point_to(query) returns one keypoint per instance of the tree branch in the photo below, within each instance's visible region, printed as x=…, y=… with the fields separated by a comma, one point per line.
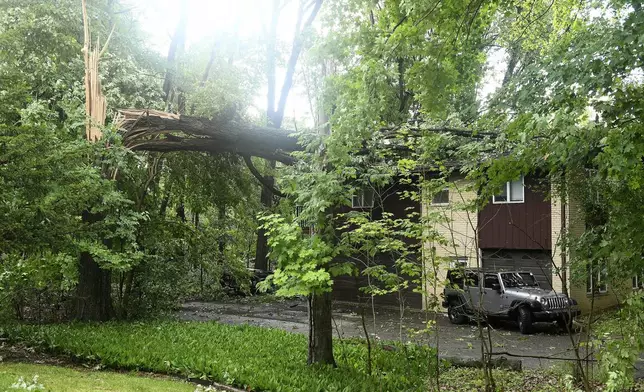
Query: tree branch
x=260, y=178
x=298, y=43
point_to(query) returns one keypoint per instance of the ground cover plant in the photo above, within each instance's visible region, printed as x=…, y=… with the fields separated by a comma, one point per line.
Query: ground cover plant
x=555, y=379
x=248, y=357
x=19, y=376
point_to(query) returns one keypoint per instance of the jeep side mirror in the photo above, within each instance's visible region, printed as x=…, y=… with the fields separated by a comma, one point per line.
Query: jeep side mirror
x=496, y=287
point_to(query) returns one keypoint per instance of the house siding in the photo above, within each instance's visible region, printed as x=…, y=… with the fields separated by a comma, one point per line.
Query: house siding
x=523, y=226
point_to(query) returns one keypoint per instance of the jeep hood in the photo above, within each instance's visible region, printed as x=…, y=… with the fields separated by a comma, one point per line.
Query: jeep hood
x=531, y=292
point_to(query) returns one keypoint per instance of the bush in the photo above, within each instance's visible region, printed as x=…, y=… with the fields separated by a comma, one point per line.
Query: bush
x=244, y=356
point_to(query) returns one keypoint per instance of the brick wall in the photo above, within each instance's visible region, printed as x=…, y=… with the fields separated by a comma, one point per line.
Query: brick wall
x=456, y=227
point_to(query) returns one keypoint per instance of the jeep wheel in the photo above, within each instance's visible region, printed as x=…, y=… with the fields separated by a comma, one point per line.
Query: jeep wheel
x=524, y=318
x=456, y=313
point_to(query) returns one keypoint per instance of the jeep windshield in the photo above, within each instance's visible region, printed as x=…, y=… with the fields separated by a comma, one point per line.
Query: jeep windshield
x=516, y=279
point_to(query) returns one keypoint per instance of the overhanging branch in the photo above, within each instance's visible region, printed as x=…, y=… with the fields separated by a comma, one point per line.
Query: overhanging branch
x=261, y=178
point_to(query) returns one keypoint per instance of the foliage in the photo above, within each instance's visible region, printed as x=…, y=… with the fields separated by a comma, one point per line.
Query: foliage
x=620, y=343
x=302, y=261
x=542, y=380
x=159, y=223
x=234, y=355
x=575, y=117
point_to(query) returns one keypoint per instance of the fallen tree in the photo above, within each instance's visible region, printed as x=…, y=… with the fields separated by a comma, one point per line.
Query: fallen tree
x=153, y=130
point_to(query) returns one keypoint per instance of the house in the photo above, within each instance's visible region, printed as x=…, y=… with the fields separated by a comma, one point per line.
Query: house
x=518, y=229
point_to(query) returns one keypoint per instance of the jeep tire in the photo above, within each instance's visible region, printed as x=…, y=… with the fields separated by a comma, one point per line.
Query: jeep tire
x=456, y=312
x=524, y=319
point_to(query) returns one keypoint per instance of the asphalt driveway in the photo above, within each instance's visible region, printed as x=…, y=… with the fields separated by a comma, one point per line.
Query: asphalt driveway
x=453, y=340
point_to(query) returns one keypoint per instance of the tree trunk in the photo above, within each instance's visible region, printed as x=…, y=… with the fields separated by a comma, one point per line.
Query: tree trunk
x=94, y=292
x=320, y=330
x=176, y=47
x=127, y=295
x=222, y=238
x=261, y=248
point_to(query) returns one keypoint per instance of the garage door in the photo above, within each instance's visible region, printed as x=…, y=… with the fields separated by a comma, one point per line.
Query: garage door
x=536, y=261
x=347, y=289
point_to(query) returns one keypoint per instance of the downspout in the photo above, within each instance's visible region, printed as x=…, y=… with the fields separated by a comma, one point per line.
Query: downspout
x=564, y=249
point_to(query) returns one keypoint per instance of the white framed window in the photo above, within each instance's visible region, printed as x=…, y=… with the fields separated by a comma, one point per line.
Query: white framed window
x=363, y=199
x=441, y=198
x=458, y=262
x=638, y=282
x=596, y=278
x=513, y=192
x=303, y=223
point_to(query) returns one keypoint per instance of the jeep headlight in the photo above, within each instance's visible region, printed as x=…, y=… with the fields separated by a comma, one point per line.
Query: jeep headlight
x=543, y=302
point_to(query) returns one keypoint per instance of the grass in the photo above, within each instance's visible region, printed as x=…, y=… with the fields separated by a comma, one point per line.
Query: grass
x=248, y=357
x=61, y=379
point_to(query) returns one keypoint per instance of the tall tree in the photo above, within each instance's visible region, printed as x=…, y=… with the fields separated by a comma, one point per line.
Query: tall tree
x=176, y=49
x=307, y=12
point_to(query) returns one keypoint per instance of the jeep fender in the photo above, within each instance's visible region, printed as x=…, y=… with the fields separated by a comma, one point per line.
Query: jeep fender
x=532, y=304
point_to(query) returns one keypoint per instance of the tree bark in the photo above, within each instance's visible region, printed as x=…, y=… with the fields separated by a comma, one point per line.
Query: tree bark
x=320, y=330
x=93, y=294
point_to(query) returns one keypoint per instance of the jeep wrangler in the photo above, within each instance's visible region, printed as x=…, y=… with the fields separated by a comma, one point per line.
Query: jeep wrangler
x=513, y=295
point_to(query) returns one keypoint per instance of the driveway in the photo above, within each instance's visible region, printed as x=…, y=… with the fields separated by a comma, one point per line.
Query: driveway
x=454, y=340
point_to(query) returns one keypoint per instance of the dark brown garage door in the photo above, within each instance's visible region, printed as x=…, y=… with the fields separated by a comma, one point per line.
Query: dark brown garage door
x=536, y=261
x=346, y=289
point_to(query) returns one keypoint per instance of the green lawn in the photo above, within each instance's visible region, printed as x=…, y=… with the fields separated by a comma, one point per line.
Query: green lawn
x=60, y=379
x=248, y=357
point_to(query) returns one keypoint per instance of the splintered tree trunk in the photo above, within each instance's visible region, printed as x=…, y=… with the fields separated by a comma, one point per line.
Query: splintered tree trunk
x=93, y=300
x=93, y=293
x=320, y=330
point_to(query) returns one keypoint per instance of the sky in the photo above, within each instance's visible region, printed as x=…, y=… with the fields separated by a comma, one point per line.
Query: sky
x=210, y=18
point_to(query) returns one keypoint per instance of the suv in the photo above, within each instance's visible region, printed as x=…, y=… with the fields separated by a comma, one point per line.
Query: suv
x=513, y=295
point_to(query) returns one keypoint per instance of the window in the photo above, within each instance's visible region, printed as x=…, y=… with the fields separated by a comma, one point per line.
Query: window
x=456, y=278
x=638, y=282
x=471, y=279
x=303, y=223
x=441, y=198
x=363, y=199
x=462, y=277
x=491, y=280
x=529, y=279
x=513, y=192
x=458, y=262
x=596, y=279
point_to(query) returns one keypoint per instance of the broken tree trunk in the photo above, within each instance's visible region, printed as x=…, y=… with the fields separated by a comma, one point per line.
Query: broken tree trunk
x=93, y=301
